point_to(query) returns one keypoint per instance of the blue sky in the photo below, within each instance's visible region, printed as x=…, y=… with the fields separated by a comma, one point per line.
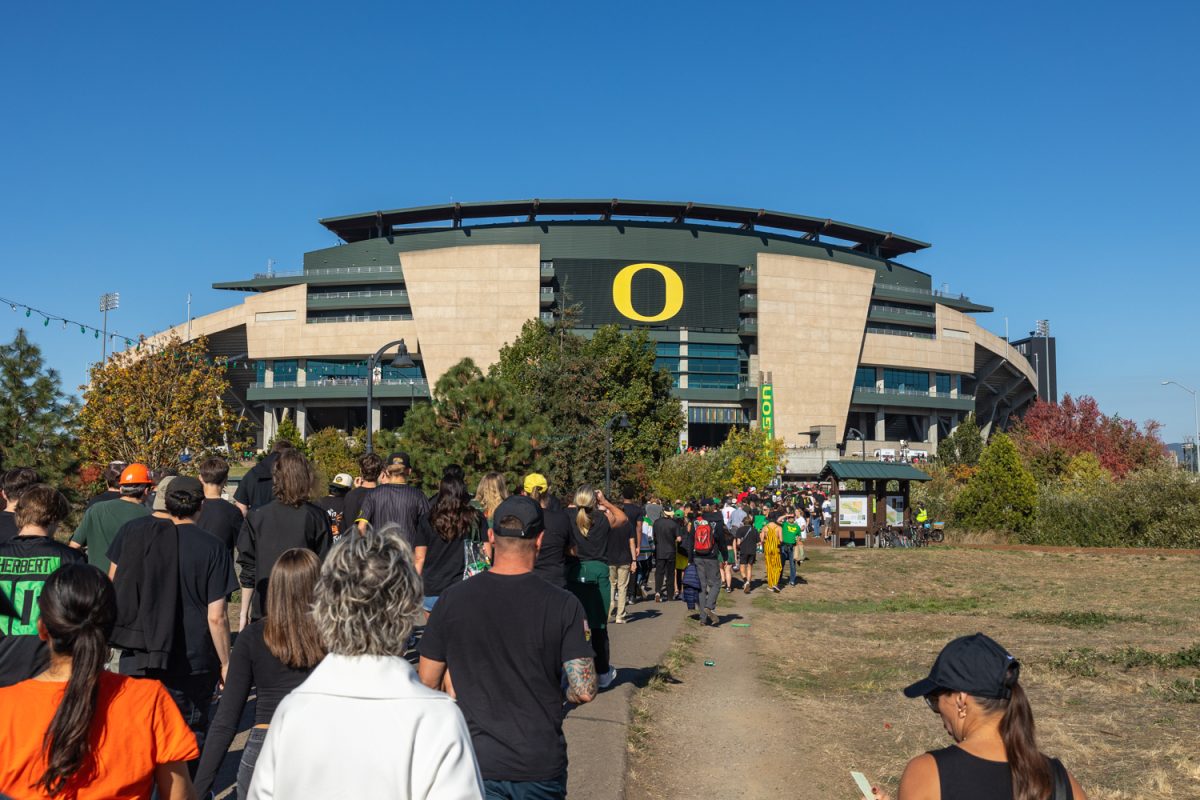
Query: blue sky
x=1048, y=151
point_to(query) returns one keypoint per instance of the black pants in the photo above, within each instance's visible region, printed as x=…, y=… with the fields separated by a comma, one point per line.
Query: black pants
x=664, y=576
x=600, y=648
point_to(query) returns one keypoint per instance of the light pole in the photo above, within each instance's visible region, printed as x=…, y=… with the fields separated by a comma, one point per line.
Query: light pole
x=620, y=421
x=401, y=361
x=861, y=438
x=109, y=301
x=1196, y=411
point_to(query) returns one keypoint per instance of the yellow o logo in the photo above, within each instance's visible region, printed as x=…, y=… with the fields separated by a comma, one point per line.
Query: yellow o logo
x=623, y=292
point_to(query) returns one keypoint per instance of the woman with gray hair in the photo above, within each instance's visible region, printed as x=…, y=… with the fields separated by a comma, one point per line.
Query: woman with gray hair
x=391, y=736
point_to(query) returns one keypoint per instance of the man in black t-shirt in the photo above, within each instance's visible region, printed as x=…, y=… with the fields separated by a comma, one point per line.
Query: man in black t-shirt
x=334, y=503
x=551, y=561
x=369, y=467
x=26, y=561
x=508, y=638
x=394, y=501
x=218, y=516
x=13, y=484
x=666, y=537
x=622, y=552
x=256, y=488
x=199, y=650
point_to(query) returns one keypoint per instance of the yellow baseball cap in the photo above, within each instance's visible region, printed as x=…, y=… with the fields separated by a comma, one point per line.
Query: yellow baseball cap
x=535, y=480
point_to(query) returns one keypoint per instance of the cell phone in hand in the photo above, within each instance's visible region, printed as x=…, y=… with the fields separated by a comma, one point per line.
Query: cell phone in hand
x=864, y=785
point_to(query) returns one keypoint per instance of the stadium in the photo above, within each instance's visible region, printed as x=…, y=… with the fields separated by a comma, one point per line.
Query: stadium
x=807, y=325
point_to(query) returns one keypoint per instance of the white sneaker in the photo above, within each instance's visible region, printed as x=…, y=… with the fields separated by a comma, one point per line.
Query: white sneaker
x=606, y=680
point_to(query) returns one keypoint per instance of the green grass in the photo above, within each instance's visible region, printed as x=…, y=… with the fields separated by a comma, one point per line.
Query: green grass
x=1085, y=661
x=1080, y=620
x=891, y=605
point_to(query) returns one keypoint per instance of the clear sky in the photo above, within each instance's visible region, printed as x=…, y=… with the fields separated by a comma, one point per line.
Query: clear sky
x=1049, y=151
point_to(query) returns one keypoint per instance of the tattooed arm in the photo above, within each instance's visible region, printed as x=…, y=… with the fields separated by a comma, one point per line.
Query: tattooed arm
x=581, y=680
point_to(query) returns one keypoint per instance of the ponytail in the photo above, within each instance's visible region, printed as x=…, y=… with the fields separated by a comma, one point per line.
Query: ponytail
x=78, y=608
x=584, y=520
x=1031, y=775
x=585, y=500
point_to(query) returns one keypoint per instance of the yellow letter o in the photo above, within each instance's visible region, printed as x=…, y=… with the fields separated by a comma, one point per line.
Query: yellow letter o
x=623, y=292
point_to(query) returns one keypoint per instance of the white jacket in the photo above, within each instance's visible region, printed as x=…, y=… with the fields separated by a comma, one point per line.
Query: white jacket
x=365, y=727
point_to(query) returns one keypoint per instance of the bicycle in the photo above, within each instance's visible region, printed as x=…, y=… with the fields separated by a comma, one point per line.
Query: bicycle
x=927, y=534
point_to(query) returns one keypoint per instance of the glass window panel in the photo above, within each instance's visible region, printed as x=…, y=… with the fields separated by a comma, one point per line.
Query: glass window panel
x=864, y=378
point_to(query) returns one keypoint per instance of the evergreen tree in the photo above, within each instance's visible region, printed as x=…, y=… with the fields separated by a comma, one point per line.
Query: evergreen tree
x=483, y=424
x=964, y=446
x=1002, y=494
x=37, y=421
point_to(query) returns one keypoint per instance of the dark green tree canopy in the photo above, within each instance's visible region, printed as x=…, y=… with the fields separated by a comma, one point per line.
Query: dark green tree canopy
x=482, y=423
x=1002, y=494
x=37, y=421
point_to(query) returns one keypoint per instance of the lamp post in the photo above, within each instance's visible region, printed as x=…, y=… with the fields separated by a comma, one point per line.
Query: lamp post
x=856, y=432
x=401, y=361
x=620, y=421
x=1196, y=411
x=109, y=301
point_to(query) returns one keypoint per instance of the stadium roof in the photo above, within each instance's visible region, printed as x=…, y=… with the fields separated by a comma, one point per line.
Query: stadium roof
x=872, y=471
x=376, y=224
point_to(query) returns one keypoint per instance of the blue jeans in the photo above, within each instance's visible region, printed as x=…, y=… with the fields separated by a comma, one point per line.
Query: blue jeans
x=429, y=603
x=554, y=789
x=249, y=759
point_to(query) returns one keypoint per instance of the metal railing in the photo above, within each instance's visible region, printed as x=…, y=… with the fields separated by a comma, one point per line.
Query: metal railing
x=905, y=391
x=341, y=381
x=403, y=293
x=910, y=334
x=911, y=312
x=919, y=290
x=331, y=271
x=362, y=318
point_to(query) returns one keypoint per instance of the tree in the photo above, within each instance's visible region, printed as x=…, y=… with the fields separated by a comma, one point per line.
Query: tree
x=963, y=446
x=151, y=406
x=689, y=475
x=331, y=451
x=577, y=385
x=482, y=423
x=1002, y=494
x=288, y=431
x=1052, y=434
x=1084, y=475
x=37, y=421
x=750, y=458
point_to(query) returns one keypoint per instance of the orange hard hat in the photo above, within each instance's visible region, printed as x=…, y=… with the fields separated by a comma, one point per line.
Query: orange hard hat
x=136, y=473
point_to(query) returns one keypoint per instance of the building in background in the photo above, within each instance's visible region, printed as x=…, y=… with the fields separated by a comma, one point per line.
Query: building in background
x=1039, y=351
x=859, y=348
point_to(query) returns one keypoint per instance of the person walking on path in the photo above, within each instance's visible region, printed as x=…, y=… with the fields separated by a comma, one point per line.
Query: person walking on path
x=443, y=536
x=255, y=490
x=218, y=516
x=551, y=561
x=703, y=547
x=26, y=562
x=101, y=522
x=77, y=730
x=362, y=725
x=394, y=501
x=274, y=656
x=592, y=518
x=747, y=539
x=772, y=538
x=666, y=538
x=290, y=520
x=13, y=484
x=510, y=641
x=622, y=553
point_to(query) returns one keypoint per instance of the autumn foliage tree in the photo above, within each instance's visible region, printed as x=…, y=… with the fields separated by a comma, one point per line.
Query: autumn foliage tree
x=1051, y=435
x=151, y=405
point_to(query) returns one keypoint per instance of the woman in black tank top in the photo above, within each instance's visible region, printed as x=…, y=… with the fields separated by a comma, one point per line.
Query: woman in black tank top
x=974, y=689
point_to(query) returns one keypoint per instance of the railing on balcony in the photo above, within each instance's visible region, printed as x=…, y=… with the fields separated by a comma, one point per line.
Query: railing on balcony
x=907, y=392
x=926, y=292
x=340, y=380
x=400, y=293
x=362, y=318
x=547, y=269
x=331, y=271
x=908, y=312
x=891, y=332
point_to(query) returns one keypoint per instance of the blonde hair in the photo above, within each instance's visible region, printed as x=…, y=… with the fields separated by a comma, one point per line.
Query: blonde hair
x=585, y=501
x=491, y=492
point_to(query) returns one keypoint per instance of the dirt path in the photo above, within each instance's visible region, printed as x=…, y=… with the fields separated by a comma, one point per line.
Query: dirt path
x=716, y=733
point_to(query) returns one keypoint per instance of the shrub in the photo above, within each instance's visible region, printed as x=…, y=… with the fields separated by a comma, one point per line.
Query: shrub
x=1002, y=494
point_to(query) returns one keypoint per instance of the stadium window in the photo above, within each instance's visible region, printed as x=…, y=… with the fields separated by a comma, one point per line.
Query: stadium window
x=666, y=348
x=864, y=378
x=944, y=382
x=906, y=379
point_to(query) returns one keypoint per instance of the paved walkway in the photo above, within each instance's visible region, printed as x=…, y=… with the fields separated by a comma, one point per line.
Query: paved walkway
x=597, y=732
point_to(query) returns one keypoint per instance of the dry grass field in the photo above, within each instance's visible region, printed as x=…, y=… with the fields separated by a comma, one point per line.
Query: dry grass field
x=1110, y=647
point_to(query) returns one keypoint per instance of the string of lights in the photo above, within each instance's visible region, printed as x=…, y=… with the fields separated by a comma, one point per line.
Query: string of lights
x=84, y=328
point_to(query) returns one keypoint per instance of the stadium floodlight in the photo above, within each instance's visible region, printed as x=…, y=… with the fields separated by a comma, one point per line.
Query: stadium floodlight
x=109, y=301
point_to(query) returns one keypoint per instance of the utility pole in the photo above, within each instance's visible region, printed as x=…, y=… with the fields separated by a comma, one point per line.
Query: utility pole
x=109, y=301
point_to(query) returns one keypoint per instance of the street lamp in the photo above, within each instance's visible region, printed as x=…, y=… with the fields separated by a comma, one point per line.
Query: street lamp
x=859, y=435
x=401, y=361
x=1196, y=411
x=621, y=421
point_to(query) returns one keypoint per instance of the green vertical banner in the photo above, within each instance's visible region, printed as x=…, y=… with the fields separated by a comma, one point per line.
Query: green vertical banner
x=766, y=409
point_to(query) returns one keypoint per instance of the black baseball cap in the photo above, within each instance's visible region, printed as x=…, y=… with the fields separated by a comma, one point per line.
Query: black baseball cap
x=975, y=664
x=398, y=459
x=524, y=509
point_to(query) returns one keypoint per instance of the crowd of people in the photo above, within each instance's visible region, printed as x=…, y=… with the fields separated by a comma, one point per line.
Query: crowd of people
x=445, y=637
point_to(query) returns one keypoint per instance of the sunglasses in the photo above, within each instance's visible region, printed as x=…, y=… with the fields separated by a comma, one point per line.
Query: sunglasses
x=932, y=699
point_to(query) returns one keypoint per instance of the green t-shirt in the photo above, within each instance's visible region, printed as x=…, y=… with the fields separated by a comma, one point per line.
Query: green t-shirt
x=791, y=532
x=100, y=525
x=760, y=520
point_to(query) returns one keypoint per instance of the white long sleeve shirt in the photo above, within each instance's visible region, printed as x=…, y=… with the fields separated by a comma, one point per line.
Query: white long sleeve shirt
x=365, y=726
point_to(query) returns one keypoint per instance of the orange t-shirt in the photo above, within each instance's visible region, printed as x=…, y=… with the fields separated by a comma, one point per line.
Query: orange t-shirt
x=136, y=727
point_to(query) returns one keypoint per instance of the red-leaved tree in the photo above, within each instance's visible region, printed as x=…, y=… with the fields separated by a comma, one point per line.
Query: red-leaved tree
x=1050, y=435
